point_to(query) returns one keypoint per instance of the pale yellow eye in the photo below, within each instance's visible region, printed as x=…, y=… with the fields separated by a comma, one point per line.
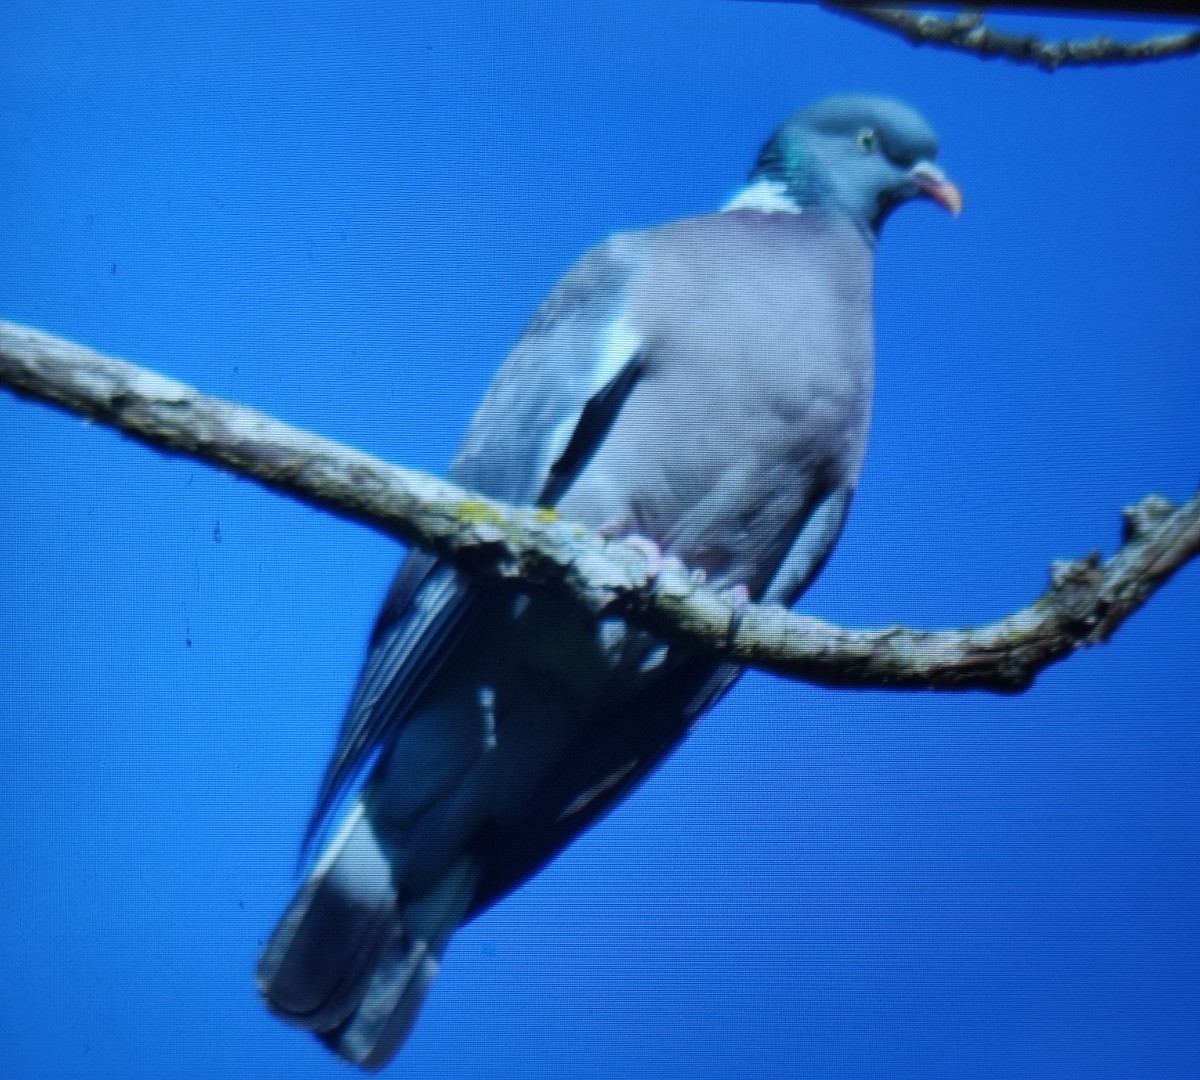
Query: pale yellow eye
x=867, y=140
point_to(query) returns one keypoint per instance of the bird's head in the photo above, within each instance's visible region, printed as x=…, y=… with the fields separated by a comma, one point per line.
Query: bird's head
x=863, y=156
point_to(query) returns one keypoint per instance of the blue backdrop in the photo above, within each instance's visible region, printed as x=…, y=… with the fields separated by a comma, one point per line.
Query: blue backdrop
x=344, y=214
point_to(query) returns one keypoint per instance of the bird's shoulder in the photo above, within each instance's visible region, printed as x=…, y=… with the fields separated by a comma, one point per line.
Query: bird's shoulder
x=570, y=348
x=593, y=288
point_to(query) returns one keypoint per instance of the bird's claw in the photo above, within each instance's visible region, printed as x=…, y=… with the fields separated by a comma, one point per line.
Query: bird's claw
x=658, y=561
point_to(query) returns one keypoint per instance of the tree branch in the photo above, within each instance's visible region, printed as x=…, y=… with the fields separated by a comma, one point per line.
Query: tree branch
x=967, y=32
x=1085, y=603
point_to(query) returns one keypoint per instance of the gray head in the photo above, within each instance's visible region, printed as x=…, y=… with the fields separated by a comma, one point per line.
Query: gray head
x=862, y=156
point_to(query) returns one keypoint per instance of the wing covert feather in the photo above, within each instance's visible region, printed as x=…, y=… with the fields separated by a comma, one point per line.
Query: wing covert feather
x=524, y=444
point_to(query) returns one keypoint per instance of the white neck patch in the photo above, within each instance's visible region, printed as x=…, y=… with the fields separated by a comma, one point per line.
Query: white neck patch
x=765, y=196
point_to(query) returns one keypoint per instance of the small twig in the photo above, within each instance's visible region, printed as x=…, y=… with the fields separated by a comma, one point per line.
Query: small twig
x=1085, y=603
x=967, y=32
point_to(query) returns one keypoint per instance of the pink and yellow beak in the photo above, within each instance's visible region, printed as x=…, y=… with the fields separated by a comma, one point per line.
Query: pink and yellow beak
x=935, y=184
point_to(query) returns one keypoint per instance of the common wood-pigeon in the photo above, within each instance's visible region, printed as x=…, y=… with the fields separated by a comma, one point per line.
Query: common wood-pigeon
x=704, y=386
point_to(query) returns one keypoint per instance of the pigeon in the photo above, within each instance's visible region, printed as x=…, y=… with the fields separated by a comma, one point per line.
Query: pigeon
x=702, y=388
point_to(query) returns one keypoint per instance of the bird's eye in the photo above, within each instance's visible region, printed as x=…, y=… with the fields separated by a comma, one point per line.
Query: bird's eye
x=867, y=140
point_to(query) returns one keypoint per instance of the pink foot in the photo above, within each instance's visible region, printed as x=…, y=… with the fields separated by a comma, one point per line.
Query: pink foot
x=737, y=595
x=657, y=561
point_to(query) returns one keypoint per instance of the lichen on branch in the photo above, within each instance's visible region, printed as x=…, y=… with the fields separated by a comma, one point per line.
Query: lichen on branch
x=1085, y=603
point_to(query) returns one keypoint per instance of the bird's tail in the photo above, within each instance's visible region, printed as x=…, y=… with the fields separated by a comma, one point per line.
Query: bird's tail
x=351, y=960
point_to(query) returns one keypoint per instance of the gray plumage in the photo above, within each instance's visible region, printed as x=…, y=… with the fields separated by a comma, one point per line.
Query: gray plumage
x=705, y=385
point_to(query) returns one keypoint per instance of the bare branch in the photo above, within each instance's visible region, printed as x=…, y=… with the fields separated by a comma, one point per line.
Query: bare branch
x=1085, y=603
x=967, y=32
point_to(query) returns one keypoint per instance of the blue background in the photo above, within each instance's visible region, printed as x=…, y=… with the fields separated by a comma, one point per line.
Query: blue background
x=344, y=215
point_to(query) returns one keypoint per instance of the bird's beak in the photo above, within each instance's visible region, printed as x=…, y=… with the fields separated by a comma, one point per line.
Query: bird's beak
x=934, y=183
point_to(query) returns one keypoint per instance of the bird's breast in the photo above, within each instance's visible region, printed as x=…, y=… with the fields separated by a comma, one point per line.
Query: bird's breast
x=756, y=395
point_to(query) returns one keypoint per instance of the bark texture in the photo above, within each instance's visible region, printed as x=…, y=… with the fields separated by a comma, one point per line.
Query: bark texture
x=1085, y=603
x=967, y=32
